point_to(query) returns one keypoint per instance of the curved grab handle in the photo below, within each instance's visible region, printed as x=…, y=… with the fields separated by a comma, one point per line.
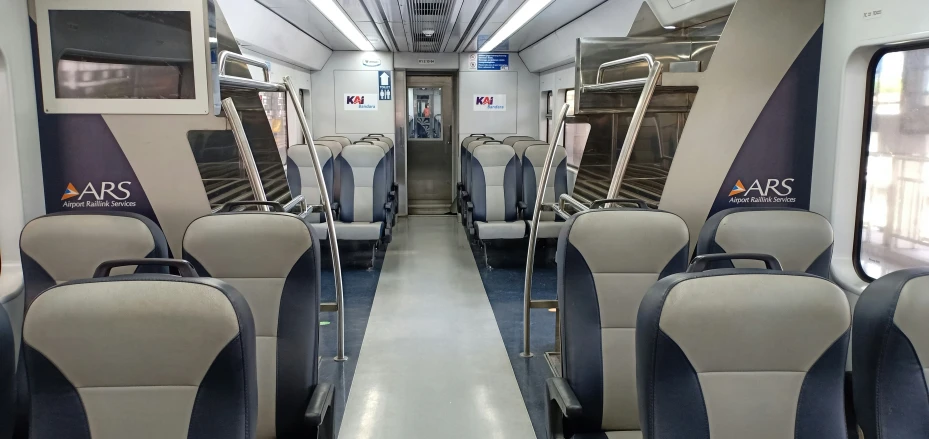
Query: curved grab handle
x=275, y=206
x=377, y=135
x=600, y=203
x=701, y=263
x=363, y=142
x=183, y=267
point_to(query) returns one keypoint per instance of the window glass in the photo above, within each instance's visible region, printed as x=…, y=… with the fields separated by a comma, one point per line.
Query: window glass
x=569, y=99
x=275, y=105
x=425, y=113
x=102, y=54
x=894, y=212
x=549, y=104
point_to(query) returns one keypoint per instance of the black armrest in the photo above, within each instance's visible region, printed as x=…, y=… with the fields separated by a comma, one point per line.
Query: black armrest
x=388, y=206
x=336, y=207
x=521, y=205
x=465, y=195
x=318, y=408
x=470, y=206
x=560, y=391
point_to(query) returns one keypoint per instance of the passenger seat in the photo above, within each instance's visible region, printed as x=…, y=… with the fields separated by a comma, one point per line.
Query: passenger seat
x=364, y=210
x=273, y=260
x=607, y=260
x=336, y=149
x=493, y=209
x=141, y=356
x=301, y=177
x=92, y=237
x=801, y=240
x=742, y=353
x=890, y=356
x=391, y=179
x=533, y=164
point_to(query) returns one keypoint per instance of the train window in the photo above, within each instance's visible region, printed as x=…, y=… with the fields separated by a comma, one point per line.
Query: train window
x=275, y=105
x=569, y=99
x=893, y=212
x=99, y=58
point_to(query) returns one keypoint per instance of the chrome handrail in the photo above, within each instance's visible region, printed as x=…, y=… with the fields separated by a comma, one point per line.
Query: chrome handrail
x=330, y=221
x=566, y=199
x=625, y=84
x=245, y=152
x=293, y=203
x=534, y=228
x=625, y=154
x=246, y=83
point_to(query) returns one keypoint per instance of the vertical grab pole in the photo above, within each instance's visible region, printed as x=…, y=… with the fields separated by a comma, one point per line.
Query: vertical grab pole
x=245, y=151
x=534, y=229
x=330, y=221
x=625, y=154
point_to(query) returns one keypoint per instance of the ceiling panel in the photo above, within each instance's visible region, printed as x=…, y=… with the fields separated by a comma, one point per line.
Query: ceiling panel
x=465, y=18
x=556, y=15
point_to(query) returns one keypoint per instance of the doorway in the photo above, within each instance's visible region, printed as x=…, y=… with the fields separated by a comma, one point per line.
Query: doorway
x=431, y=159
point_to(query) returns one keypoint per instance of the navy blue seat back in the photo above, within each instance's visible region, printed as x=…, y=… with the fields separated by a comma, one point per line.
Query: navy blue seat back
x=801, y=240
x=890, y=356
x=92, y=237
x=144, y=356
x=607, y=260
x=273, y=260
x=7, y=376
x=742, y=353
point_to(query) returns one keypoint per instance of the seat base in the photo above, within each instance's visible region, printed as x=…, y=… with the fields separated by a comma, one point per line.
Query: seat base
x=610, y=435
x=550, y=229
x=359, y=231
x=500, y=230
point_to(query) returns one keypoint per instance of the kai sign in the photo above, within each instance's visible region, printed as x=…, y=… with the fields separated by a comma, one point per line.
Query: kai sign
x=489, y=102
x=360, y=102
x=772, y=190
x=104, y=194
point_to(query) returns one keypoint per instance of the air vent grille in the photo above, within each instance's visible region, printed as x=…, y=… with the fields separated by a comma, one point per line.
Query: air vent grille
x=430, y=23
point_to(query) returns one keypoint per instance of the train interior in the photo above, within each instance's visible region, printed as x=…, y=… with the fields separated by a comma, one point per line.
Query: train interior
x=558, y=219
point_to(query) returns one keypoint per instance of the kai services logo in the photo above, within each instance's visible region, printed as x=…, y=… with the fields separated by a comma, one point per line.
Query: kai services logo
x=361, y=102
x=70, y=192
x=489, y=102
x=772, y=191
x=106, y=194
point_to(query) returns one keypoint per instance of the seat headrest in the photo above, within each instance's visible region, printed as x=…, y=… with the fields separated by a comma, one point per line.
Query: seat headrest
x=344, y=141
x=361, y=155
x=801, y=240
x=66, y=246
x=536, y=154
x=208, y=243
x=111, y=352
x=494, y=154
x=513, y=139
x=301, y=156
x=334, y=147
x=520, y=146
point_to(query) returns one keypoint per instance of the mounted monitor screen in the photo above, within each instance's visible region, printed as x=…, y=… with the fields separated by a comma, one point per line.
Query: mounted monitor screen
x=107, y=60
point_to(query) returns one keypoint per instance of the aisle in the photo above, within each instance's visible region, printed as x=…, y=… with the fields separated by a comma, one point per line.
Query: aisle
x=433, y=364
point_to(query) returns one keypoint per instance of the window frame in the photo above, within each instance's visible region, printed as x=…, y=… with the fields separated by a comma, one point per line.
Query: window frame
x=865, y=148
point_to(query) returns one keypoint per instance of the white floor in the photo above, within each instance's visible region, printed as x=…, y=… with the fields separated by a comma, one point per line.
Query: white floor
x=433, y=364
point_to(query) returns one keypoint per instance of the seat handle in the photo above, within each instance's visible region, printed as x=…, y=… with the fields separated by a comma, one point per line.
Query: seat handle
x=701, y=263
x=183, y=267
x=600, y=203
x=233, y=204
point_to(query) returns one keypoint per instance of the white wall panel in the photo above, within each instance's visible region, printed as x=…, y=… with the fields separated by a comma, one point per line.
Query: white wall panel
x=522, y=100
x=329, y=115
x=849, y=43
x=21, y=189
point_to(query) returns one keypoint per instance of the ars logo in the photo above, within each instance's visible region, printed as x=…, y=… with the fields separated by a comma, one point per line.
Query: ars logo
x=772, y=187
x=355, y=100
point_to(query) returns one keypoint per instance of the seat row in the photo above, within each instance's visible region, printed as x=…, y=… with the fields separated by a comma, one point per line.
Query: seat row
x=749, y=340
x=361, y=184
x=113, y=345
x=499, y=184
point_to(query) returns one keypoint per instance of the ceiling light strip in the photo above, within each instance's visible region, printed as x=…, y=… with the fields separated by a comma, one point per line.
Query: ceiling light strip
x=337, y=16
x=527, y=11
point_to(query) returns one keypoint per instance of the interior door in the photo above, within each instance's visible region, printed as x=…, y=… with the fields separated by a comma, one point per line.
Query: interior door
x=430, y=115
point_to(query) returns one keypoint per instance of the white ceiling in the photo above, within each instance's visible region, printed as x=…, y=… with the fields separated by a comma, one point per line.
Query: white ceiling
x=397, y=25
